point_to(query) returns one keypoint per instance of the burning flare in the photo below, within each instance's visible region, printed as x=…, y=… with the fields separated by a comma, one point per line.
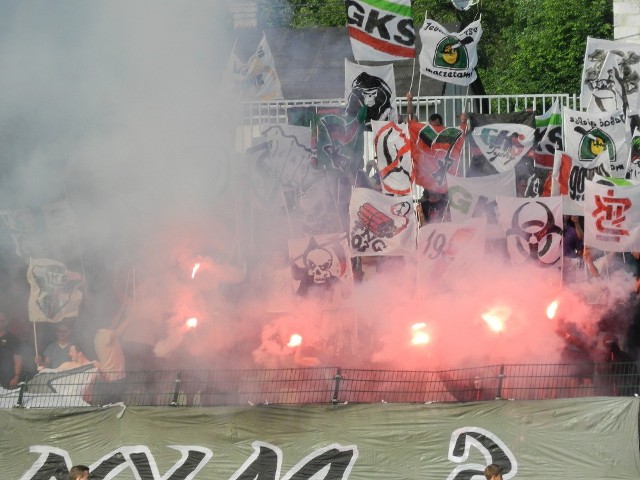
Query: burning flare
x=195, y=269
x=419, y=337
x=552, y=309
x=192, y=322
x=496, y=318
x=295, y=340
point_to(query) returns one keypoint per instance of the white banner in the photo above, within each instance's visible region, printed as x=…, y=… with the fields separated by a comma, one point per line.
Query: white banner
x=449, y=57
x=503, y=144
x=381, y=224
x=393, y=151
x=612, y=216
x=381, y=30
x=448, y=250
x=588, y=135
x=596, y=68
x=533, y=228
x=373, y=87
x=475, y=197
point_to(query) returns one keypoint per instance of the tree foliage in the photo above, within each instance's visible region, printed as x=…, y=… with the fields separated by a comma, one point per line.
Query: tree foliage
x=528, y=46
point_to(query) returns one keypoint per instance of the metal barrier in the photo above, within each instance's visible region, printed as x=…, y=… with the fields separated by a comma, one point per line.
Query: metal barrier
x=450, y=106
x=326, y=385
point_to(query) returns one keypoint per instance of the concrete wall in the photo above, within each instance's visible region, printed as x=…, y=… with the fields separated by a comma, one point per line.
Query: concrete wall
x=626, y=20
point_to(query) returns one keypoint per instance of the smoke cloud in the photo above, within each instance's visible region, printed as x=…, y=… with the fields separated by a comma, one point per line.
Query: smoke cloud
x=118, y=107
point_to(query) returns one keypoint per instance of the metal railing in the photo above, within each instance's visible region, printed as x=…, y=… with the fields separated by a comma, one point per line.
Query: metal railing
x=325, y=385
x=256, y=114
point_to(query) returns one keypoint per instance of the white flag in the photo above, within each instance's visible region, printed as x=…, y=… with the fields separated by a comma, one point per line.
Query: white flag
x=373, y=87
x=381, y=224
x=612, y=216
x=381, y=30
x=393, y=150
x=321, y=266
x=633, y=165
x=257, y=79
x=475, y=197
x=626, y=55
x=607, y=90
x=588, y=135
x=447, y=250
x=55, y=291
x=503, y=145
x=533, y=228
x=449, y=57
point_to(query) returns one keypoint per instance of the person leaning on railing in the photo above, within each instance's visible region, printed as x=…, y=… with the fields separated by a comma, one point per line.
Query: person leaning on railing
x=10, y=359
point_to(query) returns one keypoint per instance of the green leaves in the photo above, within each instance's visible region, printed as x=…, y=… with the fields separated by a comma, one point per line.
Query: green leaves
x=528, y=46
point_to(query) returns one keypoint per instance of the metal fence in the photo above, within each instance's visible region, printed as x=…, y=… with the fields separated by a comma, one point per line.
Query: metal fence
x=325, y=385
x=254, y=115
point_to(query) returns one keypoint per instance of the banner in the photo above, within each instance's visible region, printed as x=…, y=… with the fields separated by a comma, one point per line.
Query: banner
x=257, y=79
x=333, y=442
x=588, y=135
x=321, y=266
x=435, y=153
x=570, y=176
x=633, y=166
x=449, y=57
x=55, y=291
x=607, y=90
x=548, y=135
x=449, y=251
x=373, y=87
x=611, y=216
x=533, y=228
x=596, y=78
x=502, y=145
x=381, y=224
x=381, y=30
x=475, y=197
x=279, y=161
x=392, y=148
x=340, y=143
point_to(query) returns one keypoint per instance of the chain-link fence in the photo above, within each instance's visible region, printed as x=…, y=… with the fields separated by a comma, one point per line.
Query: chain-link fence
x=324, y=385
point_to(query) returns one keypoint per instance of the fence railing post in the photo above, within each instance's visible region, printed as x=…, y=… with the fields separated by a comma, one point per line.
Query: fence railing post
x=500, y=380
x=336, y=387
x=176, y=389
x=23, y=387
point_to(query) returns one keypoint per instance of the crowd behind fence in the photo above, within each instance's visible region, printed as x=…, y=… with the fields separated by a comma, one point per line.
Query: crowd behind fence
x=326, y=385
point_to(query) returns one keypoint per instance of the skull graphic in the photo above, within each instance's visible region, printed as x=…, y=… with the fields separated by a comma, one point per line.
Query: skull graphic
x=318, y=262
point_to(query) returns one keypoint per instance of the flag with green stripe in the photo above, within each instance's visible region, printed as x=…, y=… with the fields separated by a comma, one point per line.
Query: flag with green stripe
x=381, y=30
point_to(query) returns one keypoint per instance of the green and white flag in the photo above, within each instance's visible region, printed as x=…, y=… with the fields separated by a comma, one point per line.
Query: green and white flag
x=449, y=57
x=381, y=30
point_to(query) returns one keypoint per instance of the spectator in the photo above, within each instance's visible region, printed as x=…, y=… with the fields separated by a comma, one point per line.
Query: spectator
x=57, y=352
x=10, y=359
x=434, y=206
x=493, y=472
x=78, y=358
x=435, y=120
x=621, y=368
x=111, y=358
x=79, y=472
x=410, y=116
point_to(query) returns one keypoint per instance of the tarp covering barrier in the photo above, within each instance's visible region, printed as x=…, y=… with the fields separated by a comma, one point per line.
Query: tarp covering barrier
x=591, y=438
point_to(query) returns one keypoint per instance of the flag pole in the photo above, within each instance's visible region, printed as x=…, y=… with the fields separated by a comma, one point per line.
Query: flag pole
x=35, y=331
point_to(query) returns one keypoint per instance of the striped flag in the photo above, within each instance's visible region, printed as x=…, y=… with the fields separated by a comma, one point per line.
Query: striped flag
x=381, y=30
